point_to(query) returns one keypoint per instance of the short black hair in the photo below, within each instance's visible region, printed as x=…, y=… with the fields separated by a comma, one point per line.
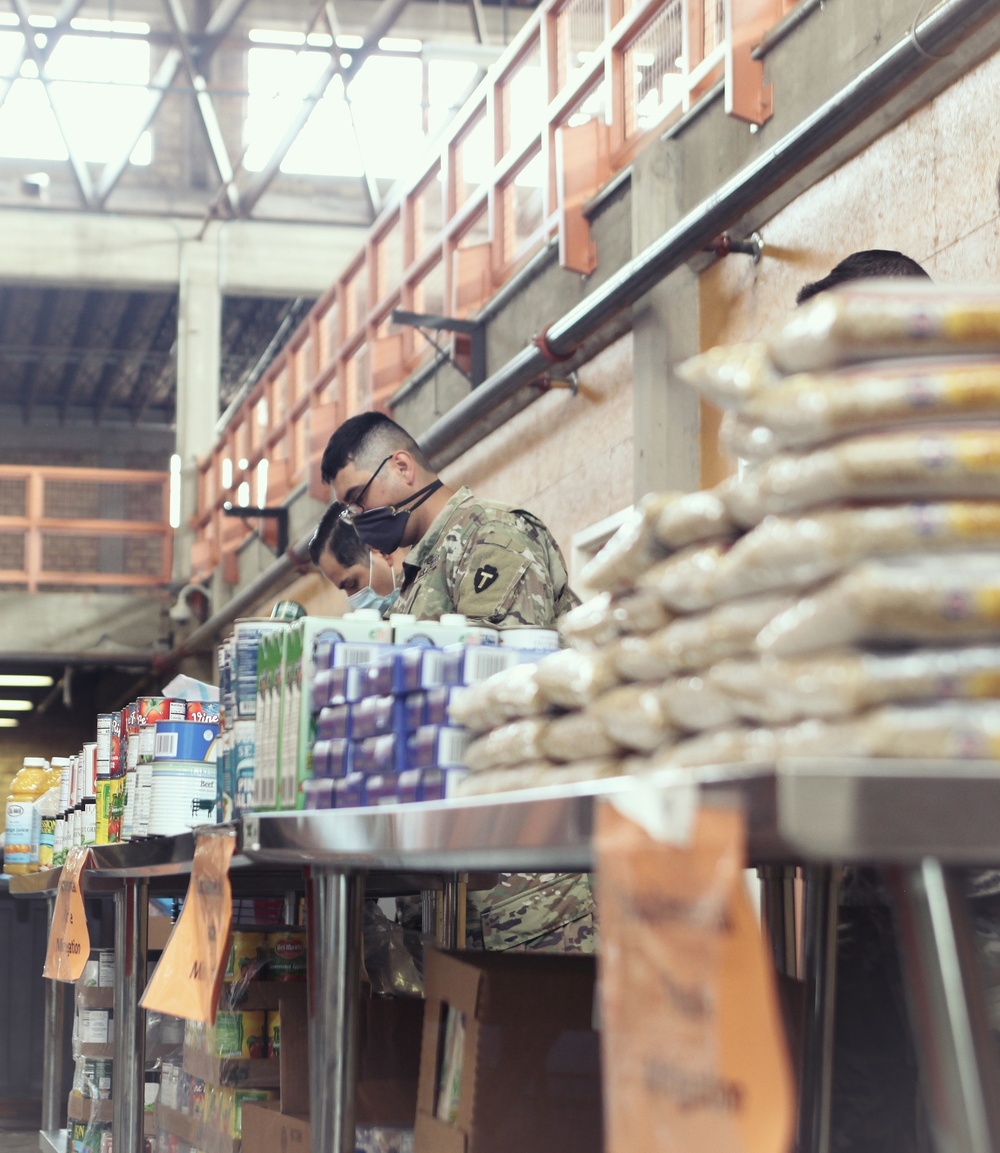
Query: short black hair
x=337, y=537
x=862, y=265
x=369, y=434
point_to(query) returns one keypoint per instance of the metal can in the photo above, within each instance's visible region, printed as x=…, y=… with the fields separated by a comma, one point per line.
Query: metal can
x=274, y=1033
x=248, y=956
x=241, y=1034
x=286, y=955
x=97, y=1078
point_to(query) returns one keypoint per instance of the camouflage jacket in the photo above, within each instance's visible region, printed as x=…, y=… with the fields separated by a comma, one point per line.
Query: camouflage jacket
x=492, y=563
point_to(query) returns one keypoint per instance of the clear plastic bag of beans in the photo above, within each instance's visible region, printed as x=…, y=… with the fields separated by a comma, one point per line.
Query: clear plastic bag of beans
x=811, y=408
x=575, y=737
x=511, y=744
x=946, y=464
x=789, y=552
x=916, y=600
x=634, y=717
x=631, y=550
x=882, y=319
x=572, y=680
x=839, y=683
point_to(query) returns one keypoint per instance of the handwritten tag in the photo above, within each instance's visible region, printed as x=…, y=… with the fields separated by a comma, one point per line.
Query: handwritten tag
x=69, y=937
x=187, y=980
x=693, y=1043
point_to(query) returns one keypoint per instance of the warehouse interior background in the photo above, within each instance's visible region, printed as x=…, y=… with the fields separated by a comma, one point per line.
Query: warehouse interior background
x=211, y=210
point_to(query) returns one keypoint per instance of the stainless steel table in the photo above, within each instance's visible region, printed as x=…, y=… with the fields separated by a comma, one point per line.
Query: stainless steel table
x=919, y=820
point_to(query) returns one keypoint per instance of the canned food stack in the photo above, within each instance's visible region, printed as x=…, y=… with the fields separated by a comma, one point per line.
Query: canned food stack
x=384, y=734
x=89, y=1109
x=234, y=1061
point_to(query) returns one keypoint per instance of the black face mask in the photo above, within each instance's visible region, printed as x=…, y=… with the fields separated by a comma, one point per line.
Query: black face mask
x=382, y=528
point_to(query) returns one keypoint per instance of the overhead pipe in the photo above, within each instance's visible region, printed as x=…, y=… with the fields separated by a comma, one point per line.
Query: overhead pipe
x=484, y=409
x=492, y=402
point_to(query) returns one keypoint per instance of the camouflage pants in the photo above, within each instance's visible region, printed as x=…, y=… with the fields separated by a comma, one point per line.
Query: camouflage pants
x=534, y=912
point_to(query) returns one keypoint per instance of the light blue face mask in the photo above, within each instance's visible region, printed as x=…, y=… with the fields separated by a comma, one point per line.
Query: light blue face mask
x=368, y=598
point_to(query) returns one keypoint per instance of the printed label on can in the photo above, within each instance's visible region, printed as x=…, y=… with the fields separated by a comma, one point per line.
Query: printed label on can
x=286, y=956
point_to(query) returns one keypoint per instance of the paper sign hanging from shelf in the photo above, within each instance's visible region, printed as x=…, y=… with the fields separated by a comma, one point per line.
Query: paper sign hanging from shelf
x=69, y=937
x=693, y=1042
x=188, y=978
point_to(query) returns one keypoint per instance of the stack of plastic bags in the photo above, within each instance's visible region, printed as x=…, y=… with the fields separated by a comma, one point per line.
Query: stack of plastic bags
x=871, y=420
x=840, y=596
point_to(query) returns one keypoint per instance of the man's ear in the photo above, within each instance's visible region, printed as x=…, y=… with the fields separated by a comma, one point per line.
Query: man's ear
x=405, y=466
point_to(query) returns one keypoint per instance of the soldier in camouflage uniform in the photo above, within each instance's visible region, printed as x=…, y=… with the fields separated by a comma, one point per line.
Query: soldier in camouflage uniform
x=495, y=564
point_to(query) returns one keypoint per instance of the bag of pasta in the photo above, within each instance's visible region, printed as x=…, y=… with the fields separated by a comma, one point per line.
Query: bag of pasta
x=840, y=683
x=810, y=408
x=946, y=464
x=881, y=319
x=789, y=552
x=919, y=600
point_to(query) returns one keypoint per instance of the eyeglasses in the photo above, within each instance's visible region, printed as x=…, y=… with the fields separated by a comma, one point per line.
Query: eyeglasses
x=355, y=508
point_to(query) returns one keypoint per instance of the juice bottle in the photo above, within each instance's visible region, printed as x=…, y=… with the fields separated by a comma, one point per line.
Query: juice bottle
x=48, y=807
x=20, y=854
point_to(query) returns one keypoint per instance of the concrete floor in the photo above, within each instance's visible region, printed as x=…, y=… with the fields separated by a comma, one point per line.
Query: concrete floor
x=26, y=1142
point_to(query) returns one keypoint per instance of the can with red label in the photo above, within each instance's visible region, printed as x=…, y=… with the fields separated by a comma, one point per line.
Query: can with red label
x=286, y=954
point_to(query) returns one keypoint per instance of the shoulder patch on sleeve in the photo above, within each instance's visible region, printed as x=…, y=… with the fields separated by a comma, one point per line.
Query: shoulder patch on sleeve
x=485, y=575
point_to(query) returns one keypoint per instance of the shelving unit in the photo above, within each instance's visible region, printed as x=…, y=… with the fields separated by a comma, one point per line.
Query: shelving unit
x=922, y=821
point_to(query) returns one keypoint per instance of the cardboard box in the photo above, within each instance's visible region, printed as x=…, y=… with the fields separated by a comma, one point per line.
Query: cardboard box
x=266, y=1129
x=390, y=1041
x=529, y=1076
x=391, y=1031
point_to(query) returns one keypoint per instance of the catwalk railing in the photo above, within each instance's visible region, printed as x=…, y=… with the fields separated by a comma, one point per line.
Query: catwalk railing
x=584, y=86
x=84, y=528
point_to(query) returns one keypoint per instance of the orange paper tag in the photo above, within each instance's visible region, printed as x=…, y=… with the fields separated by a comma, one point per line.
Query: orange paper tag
x=187, y=980
x=69, y=938
x=693, y=1045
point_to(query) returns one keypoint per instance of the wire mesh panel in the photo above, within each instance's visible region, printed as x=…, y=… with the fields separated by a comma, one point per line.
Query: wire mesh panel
x=81, y=499
x=11, y=551
x=13, y=496
x=83, y=555
x=654, y=70
x=96, y=527
x=580, y=28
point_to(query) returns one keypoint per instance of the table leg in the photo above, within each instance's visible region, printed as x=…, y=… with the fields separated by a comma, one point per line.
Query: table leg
x=453, y=893
x=777, y=883
x=819, y=965
x=131, y=924
x=336, y=903
x=53, y=1100
x=956, y=1049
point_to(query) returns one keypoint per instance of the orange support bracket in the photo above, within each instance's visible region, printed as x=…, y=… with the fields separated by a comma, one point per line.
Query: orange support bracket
x=747, y=96
x=583, y=167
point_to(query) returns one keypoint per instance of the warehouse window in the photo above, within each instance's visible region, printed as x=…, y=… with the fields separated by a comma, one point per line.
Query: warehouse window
x=96, y=84
x=386, y=98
